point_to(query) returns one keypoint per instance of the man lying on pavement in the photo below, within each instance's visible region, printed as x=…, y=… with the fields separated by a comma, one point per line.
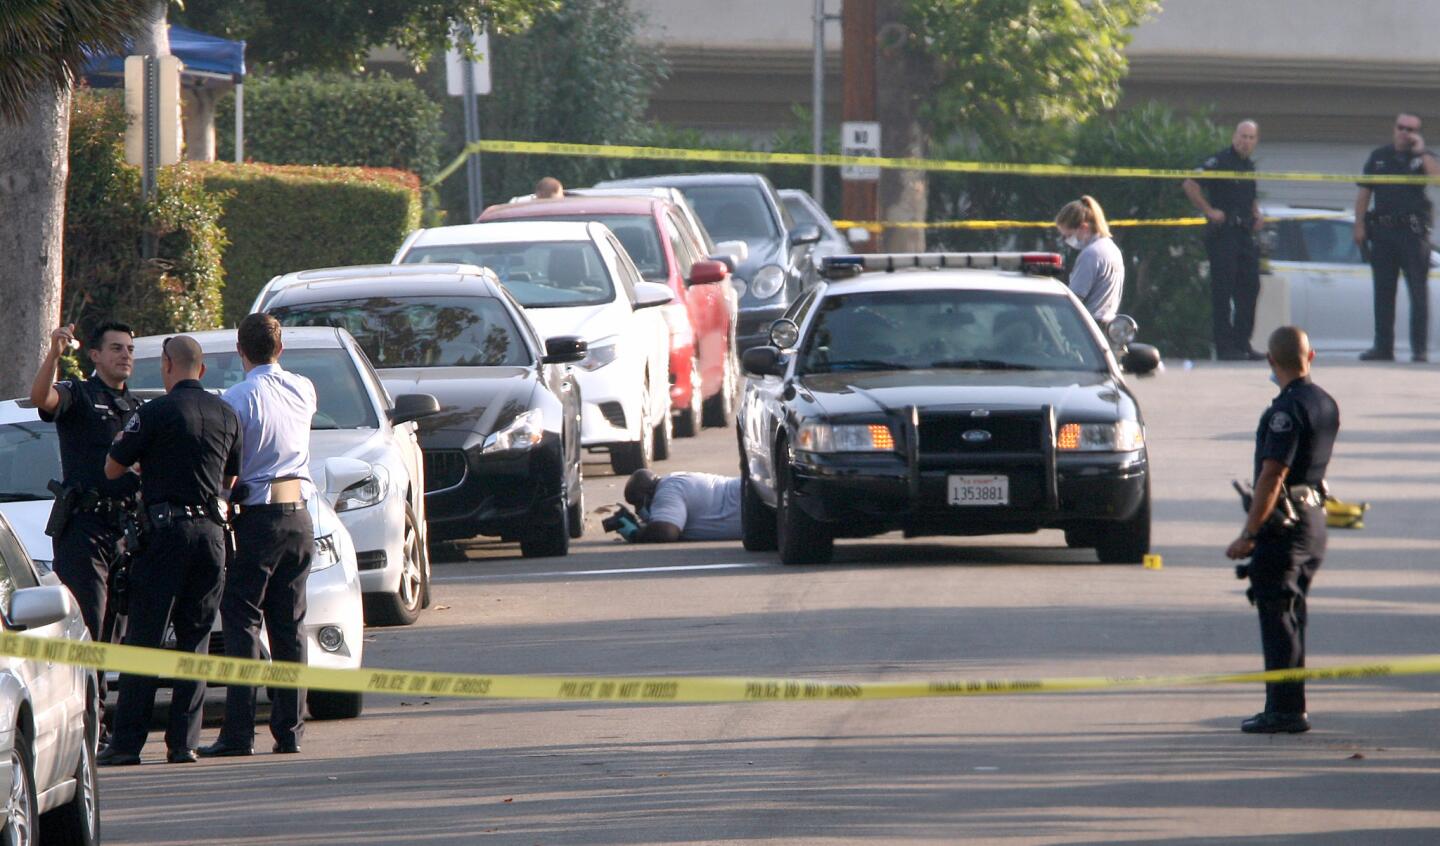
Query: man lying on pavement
x=684, y=507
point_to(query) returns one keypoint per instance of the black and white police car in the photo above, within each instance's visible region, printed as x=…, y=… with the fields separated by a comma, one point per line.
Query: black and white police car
x=943, y=394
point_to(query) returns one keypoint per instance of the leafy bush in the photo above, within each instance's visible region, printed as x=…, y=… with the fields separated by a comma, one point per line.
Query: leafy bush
x=334, y=119
x=107, y=221
x=284, y=218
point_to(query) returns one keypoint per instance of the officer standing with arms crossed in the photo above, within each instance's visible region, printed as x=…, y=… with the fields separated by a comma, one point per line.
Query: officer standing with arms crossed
x=1292, y=451
x=187, y=444
x=87, y=522
x=1234, y=219
x=274, y=538
x=1397, y=234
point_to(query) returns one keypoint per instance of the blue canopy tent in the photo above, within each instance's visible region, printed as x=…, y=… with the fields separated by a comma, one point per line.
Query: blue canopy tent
x=210, y=62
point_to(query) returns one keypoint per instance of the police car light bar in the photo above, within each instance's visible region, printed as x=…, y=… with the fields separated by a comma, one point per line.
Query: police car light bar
x=844, y=267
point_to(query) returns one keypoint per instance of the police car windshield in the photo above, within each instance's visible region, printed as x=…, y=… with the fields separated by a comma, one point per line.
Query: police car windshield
x=340, y=397
x=543, y=274
x=29, y=459
x=948, y=329
x=420, y=332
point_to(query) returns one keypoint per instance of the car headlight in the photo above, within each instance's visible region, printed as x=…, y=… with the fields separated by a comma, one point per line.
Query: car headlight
x=600, y=353
x=1124, y=436
x=327, y=553
x=767, y=282
x=849, y=437
x=365, y=493
x=739, y=285
x=523, y=432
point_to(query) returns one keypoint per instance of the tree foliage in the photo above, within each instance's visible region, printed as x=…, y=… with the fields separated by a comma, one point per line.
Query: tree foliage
x=287, y=35
x=999, y=64
x=44, y=43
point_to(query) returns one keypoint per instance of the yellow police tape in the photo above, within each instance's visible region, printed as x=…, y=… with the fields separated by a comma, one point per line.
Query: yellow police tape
x=877, y=225
x=164, y=663
x=759, y=157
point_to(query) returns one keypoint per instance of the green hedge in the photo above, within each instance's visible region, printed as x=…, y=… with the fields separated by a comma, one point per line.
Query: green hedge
x=334, y=119
x=106, y=223
x=285, y=218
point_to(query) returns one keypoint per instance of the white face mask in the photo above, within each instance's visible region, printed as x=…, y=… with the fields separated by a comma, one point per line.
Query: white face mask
x=1072, y=241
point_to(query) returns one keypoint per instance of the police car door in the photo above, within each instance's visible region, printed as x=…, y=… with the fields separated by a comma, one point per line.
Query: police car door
x=763, y=411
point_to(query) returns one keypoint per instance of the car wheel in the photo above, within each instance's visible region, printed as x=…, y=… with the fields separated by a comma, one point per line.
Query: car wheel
x=1080, y=537
x=402, y=607
x=20, y=828
x=549, y=538
x=664, y=434
x=77, y=822
x=757, y=521
x=627, y=458
x=334, y=704
x=1127, y=542
x=800, y=538
x=720, y=409
x=687, y=420
x=575, y=515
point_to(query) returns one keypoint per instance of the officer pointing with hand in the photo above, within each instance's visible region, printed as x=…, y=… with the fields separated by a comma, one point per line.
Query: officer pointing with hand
x=1284, y=532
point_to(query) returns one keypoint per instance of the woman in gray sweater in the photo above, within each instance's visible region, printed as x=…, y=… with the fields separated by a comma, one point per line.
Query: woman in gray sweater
x=1098, y=277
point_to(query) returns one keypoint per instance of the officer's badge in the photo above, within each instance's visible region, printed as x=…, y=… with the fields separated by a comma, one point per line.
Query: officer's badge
x=1281, y=422
x=133, y=424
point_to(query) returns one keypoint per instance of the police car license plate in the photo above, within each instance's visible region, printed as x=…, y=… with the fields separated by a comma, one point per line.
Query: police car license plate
x=979, y=490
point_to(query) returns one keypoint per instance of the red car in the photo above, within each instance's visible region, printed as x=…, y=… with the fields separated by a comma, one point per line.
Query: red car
x=704, y=372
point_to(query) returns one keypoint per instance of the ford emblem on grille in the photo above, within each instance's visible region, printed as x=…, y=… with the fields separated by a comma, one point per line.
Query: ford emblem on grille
x=976, y=436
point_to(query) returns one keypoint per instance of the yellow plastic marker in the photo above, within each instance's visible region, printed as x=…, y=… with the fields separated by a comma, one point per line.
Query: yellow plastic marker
x=1153, y=562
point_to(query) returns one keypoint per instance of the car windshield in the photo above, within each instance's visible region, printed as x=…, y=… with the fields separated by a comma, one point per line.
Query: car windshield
x=948, y=329
x=29, y=459
x=733, y=212
x=340, y=397
x=420, y=332
x=637, y=234
x=540, y=274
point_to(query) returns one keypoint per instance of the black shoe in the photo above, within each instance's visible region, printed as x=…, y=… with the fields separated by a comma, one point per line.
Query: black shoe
x=225, y=749
x=112, y=757
x=1273, y=722
x=181, y=756
x=288, y=747
x=1255, y=355
x=1377, y=355
x=1420, y=358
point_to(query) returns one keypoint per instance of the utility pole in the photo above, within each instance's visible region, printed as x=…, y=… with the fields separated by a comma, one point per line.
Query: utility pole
x=860, y=199
x=475, y=193
x=817, y=107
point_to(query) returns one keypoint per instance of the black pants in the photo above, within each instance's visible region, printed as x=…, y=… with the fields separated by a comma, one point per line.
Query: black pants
x=84, y=554
x=1234, y=286
x=1280, y=574
x=1393, y=251
x=176, y=578
x=266, y=582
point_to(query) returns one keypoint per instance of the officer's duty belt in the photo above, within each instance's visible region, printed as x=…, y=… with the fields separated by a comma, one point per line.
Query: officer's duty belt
x=269, y=507
x=1305, y=495
x=93, y=502
x=1414, y=222
x=168, y=512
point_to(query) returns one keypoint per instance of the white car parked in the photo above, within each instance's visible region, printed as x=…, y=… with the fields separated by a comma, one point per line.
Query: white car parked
x=49, y=714
x=385, y=509
x=575, y=278
x=334, y=623
x=1317, y=280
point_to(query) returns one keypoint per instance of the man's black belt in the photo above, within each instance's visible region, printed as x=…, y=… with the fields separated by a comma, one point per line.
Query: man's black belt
x=169, y=512
x=1411, y=220
x=94, y=502
x=269, y=507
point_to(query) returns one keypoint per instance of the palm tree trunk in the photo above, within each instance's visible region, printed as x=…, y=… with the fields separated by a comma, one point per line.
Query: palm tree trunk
x=34, y=163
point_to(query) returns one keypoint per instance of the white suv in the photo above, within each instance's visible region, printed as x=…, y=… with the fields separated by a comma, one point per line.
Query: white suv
x=575, y=278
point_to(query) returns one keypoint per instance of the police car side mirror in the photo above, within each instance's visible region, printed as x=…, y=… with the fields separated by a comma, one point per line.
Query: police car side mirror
x=1140, y=359
x=763, y=361
x=410, y=407
x=37, y=607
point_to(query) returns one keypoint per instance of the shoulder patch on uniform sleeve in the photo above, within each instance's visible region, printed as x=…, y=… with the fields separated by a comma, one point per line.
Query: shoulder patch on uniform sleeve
x=1281, y=422
x=133, y=424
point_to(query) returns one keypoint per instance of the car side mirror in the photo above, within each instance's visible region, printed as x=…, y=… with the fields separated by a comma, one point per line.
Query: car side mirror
x=36, y=607
x=737, y=250
x=410, y=407
x=763, y=361
x=1140, y=359
x=806, y=234
x=342, y=472
x=651, y=294
x=707, y=273
x=565, y=349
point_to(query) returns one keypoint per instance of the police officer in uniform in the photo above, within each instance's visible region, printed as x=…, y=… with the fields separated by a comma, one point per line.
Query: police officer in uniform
x=1233, y=217
x=87, y=524
x=1284, y=533
x=1396, y=233
x=274, y=538
x=187, y=445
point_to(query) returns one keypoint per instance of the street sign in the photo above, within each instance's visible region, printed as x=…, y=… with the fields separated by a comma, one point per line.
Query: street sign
x=860, y=138
x=479, y=69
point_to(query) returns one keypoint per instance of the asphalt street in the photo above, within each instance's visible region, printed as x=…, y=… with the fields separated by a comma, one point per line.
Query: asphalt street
x=1159, y=766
